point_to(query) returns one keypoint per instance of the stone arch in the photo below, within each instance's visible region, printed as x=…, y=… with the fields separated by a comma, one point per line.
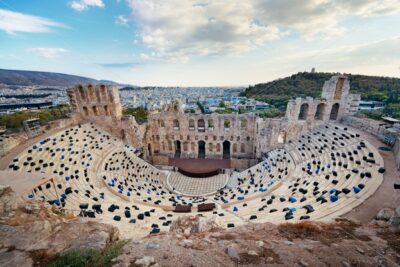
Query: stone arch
x=85, y=111
x=95, y=111
x=234, y=148
x=226, y=151
x=192, y=146
x=98, y=97
x=303, y=111
x=242, y=148
x=149, y=149
x=334, y=112
x=218, y=147
x=201, y=149
x=210, y=123
x=201, y=125
x=191, y=125
x=243, y=123
x=177, y=149
x=82, y=92
x=210, y=147
x=227, y=124
x=320, y=111
x=176, y=124
x=185, y=146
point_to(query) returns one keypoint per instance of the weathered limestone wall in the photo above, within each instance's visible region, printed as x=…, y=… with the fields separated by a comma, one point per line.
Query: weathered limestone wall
x=101, y=104
x=171, y=128
x=240, y=137
x=396, y=152
x=334, y=104
x=95, y=101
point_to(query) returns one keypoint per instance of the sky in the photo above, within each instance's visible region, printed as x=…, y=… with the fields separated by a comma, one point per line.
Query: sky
x=200, y=42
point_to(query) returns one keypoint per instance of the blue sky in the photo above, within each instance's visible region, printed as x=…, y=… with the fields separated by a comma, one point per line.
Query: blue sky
x=200, y=42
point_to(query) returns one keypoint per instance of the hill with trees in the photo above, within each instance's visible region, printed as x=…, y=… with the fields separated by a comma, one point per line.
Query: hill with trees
x=302, y=84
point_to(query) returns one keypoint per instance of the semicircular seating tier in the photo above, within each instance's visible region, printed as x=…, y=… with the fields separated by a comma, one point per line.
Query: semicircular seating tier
x=319, y=176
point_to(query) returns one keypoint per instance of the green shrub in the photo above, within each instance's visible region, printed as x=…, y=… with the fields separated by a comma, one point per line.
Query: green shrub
x=89, y=257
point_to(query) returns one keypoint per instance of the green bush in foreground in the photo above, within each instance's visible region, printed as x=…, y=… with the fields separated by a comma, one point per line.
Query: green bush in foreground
x=89, y=257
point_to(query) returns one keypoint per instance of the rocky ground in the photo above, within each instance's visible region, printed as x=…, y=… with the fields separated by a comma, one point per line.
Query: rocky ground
x=32, y=235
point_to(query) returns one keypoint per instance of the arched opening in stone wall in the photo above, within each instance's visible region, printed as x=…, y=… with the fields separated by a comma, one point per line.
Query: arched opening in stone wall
x=95, y=111
x=176, y=124
x=226, y=151
x=85, y=111
x=123, y=134
x=210, y=124
x=98, y=96
x=169, y=145
x=218, y=147
x=192, y=146
x=210, y=147
x=303, y=111
x=334, y=112
x=282, y=137
x=91, y=94
x=243, y=123
x=242, y=148
x=81, y=92
x=227, y=124
x=191, y=125
x=185, y=146
x=319, y=113
x=106, y=112
x=234, y=148
x=202, y=149
x=149, y=149
x=201, y=125
x=177, y=149
x=103, y=92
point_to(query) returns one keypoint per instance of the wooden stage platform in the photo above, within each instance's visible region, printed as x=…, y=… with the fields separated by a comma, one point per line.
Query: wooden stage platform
x=197, y=167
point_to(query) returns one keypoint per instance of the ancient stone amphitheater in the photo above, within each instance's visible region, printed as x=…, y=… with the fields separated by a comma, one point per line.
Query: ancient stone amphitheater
x=318, y=176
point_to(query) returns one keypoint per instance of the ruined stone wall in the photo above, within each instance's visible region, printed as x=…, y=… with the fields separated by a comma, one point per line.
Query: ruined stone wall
x=172, y=128
x=101, y=104
x=334, y=104
x=95, y=102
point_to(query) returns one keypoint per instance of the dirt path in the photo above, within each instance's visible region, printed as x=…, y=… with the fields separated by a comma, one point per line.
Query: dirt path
x=386, y=195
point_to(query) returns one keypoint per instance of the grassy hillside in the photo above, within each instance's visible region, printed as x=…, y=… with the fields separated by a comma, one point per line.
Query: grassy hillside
x=302, y=84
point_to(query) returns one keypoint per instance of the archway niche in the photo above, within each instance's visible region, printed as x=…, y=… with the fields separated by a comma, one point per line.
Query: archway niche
x=202, y=149
x=177, y=149
x=201, y=125
x=334, y=112
x=226, y=150
x=320, y=112
x=303, y=112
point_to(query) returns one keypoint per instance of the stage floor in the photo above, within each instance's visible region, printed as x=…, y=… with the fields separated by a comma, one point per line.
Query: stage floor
x=200, y=165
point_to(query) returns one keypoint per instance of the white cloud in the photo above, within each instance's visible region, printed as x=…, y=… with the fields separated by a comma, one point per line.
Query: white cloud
x=81, y=5
x=184, y=28
x=47, y=52
x=13, y=22
x=121, y=20
x=177, y=29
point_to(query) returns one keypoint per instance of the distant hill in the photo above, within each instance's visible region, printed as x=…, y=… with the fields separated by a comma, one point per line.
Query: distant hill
x=26, y=78
x=302, y=84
